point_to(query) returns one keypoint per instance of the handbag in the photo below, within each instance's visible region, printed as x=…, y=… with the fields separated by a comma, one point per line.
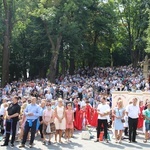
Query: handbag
x=122, y=119
x=48, y=129
x=52, y=127
x=85, y=135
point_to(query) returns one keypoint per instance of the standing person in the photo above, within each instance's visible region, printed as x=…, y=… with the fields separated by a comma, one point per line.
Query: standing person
x=88, y=112
x=2, y=111
x=60, y=121
x=126, y=123
x=133, y=112
x=32, y=113
x=69, y=114
x=12, y=115
x=22, y=121
x=147, y=121
x=48, y=117
x=118, y=114
x=140, y=119
x=43, y=103
x=103, y=113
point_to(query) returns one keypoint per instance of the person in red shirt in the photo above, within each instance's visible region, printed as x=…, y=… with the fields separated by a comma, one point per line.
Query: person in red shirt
x=88, y=112
x=76, y=114
x=141, y=119
x=94, y=118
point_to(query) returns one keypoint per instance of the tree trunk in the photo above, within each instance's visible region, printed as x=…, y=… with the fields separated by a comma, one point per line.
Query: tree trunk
x=53, y=65
x=55, y=53
x=25, y=73
x=54, y=58
x=135, y=58
x=7, y=35
x=63, y=62
x=72, y=66
x=41, y=72
x=0, y=64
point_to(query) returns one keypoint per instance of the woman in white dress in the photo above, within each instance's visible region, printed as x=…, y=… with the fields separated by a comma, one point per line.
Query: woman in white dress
x=60, y=121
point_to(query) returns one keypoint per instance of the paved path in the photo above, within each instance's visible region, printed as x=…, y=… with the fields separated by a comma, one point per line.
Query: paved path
x=79, y=144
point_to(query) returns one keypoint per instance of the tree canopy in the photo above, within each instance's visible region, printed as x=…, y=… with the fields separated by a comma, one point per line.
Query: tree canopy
x=47, y=38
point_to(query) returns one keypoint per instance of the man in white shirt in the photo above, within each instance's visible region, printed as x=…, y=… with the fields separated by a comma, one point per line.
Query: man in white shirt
x=2, y=111
x=103, y=114
x=2, y=108
x=133, y=112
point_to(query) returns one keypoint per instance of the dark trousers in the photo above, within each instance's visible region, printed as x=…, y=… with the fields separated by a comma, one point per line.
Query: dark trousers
x=80, y=96
x=1, y=124
x=41, y=127
x=10, y=128
x=132, y=128
x=126, y=131
x=26, y=131
x=100, y=127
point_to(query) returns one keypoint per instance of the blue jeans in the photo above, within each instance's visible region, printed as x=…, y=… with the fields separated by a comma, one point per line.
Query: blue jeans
x=147, y=126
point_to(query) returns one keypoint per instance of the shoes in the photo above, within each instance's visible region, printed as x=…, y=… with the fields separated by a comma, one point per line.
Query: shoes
x=107, y=141
x=60, y=142
x=134, y=141
x=55, y=142
x=30, y=145
x=44, y=142
x=96, y=141
x=119, y=141
x=69, y=141
x=4, y=145
x=21, y=146
x=145, y=141
x=12, y=145
x=49, y=142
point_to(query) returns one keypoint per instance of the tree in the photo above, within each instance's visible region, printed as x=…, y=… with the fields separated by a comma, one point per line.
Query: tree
x=8, y=16
x=147, y=50
x=133, y=16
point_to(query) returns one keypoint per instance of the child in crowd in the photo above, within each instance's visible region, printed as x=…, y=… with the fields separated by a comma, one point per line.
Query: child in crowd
x=69, y=114
x=126, y=125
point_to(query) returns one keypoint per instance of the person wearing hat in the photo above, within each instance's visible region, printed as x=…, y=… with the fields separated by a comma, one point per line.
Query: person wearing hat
x=12, y=115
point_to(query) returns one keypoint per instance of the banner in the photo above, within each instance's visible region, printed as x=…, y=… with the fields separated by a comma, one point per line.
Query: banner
x=129, y=96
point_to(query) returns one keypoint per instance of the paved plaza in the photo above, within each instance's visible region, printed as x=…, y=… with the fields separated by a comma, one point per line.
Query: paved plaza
x=79, y=144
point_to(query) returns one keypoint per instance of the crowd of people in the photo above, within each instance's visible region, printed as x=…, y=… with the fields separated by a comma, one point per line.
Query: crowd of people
x=73, y=102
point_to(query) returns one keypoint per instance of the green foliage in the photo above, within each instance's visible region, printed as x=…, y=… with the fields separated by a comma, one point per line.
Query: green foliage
x=94, y=33
x=148, y=36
